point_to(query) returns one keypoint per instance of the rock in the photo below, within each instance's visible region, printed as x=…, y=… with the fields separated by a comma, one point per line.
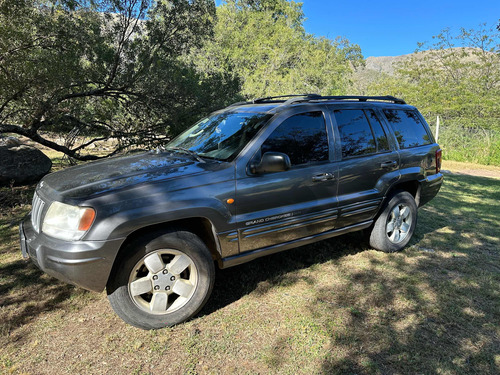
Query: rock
x=9, y=142
x=22, y=164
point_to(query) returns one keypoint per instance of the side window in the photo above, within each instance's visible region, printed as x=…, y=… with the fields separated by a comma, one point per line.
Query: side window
x=302, y=137
x=408, y=129
x=378, y=131
x=356, y=135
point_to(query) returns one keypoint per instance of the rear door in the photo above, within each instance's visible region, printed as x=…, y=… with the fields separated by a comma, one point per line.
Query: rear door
x=416, y=143
x=280, y=207
x=369, y=163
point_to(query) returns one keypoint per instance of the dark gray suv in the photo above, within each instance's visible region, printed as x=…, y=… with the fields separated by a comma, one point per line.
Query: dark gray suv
x=252, y=179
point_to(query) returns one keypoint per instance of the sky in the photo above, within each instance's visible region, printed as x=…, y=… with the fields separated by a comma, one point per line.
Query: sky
x=391, y=28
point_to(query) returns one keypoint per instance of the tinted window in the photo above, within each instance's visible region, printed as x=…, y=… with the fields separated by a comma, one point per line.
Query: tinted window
x=355, y=133
x=408, y=128
x=302, y=137
x=378, y=131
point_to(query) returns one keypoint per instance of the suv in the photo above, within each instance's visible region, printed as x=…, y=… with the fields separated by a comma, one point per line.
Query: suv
x=252, y=179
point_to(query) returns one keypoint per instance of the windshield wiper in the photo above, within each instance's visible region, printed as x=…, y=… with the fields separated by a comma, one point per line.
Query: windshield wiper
x=187, y=151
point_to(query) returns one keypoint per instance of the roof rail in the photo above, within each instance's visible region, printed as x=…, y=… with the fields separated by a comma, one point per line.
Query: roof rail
x=238, y=103
x=273, y=98
x=298, y=98
x=280, y=99
x=364, y=98
x=345, y=97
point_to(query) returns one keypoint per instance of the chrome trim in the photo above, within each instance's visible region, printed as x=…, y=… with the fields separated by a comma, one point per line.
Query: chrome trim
x=361, y=207
x=229, y=243
x=360, y=211
x=234, y=260
x=36, y=212
x=290, y=222
x=232, y=236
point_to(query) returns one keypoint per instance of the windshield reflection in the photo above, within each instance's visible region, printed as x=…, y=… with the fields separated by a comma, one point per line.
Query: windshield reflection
x=221, y=136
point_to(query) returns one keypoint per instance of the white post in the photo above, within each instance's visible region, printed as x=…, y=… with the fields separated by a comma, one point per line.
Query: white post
x=437, y=128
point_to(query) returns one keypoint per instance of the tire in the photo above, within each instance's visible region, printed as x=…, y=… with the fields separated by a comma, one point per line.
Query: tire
x=396, y=223
x=161, y=280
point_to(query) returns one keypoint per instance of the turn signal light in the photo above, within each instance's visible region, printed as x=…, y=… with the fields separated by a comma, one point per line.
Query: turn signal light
x=87, y=219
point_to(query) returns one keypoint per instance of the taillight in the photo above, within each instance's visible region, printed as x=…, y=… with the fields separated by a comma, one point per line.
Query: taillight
x=438, y=160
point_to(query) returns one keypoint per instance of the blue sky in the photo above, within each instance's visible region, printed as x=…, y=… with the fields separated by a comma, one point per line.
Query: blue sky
x=390, y=28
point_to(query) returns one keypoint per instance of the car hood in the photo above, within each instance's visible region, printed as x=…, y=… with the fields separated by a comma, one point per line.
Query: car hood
x=87, y=180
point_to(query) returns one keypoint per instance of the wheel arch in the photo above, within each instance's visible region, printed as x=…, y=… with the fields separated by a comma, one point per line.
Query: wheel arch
x=200, y=226
x=411, y=186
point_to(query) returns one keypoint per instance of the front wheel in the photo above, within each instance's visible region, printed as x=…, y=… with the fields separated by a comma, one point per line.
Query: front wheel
x=161, y=280
x=395, y=225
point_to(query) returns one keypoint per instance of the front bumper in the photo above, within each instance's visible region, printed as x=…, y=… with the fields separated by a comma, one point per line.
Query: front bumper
x=86, y=264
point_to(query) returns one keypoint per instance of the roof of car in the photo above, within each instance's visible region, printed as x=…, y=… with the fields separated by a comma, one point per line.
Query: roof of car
x=273, y=104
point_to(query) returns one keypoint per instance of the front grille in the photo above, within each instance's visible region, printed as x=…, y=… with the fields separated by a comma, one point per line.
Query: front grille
x=36, y=212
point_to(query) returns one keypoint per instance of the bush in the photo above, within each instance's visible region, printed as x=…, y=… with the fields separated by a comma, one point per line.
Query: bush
x=473, y=144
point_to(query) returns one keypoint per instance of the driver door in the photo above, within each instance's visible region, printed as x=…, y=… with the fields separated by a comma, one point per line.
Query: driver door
x=279, y=207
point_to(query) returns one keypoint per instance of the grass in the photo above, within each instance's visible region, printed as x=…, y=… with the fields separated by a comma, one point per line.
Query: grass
x=470, y=144
x=334, y=307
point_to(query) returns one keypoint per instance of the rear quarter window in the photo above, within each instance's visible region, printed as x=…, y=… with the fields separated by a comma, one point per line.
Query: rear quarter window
x=408, y=128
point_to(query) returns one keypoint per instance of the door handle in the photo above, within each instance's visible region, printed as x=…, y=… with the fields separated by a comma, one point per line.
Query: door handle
x=389, y=164
x=323, y=177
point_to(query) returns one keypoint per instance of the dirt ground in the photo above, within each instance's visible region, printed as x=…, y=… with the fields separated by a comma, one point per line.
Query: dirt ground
x=470, y=169
x=480, y=172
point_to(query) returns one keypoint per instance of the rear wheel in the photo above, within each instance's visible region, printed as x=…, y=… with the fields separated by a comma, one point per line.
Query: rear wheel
x=395, y=225
x=162, y=280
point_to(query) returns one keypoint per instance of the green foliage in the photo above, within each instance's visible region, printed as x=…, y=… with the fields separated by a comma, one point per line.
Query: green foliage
x=140, y=71
x=104, y=69
x=461, y=142
x=264, y=44
x=457, y=78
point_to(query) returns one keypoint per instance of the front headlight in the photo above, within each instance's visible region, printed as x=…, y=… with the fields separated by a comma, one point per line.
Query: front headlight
x=67, y=222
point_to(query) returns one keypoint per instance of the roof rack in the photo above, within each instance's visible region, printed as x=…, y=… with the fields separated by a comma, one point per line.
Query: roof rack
x=279, y=99
x=365, y=98
x=293, y=96
x=299, y=98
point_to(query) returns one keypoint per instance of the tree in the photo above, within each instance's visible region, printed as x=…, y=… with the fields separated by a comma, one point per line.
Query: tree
x=104, y=69
x=264, y=44
x=457, y=77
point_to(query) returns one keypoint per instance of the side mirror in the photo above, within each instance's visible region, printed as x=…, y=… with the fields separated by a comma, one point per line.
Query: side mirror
x=271, y=162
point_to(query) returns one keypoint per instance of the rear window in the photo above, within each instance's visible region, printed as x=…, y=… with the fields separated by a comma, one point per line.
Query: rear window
x=408, y=128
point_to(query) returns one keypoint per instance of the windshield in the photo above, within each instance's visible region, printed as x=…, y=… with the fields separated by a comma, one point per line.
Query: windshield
x=221, y=136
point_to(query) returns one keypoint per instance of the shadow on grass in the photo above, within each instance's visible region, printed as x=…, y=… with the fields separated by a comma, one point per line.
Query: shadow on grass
x=434, y=308
x=435, y=320
x=25, y=291
x=263, y=274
